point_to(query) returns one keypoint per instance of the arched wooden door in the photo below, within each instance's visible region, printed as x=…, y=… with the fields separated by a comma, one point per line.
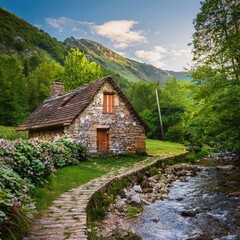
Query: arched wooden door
x=102, y=140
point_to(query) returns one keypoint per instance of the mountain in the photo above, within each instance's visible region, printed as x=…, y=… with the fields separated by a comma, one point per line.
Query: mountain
x=129, y=69
x=21, y=38
x=32, y=46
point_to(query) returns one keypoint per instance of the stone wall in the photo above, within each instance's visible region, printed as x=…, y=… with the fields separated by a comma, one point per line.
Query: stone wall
x=126, y=134
x=47, y=134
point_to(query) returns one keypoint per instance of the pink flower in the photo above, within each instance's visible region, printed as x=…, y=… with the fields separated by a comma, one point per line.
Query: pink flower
x=24, y=196
x=25, y=188
x=16, y=202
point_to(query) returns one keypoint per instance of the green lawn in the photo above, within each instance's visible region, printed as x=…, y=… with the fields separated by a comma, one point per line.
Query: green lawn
x=74, y=176
x=156, y=147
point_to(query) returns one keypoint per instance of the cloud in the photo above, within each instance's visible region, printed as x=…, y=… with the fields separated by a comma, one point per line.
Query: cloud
x=161, y=57
x=180, y=53
x=120, y=33
x=63, y=24
x=154, y=56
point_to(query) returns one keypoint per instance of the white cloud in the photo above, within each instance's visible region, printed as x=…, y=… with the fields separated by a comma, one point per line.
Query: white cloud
x=121, y=45
x=63, y=24
x=120, y=33
x=179, y=53
x=154, y=56
x=162, y=57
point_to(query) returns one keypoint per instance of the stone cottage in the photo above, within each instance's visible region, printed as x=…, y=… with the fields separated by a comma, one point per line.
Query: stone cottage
x=96, y=115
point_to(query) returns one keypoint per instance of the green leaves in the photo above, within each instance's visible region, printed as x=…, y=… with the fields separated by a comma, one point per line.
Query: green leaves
x=216, y=40
x=27, y=162
x=175, y=98
x=216, y=72
x=78, y=70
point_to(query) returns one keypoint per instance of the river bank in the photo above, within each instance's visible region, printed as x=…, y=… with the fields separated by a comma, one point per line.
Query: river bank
x=141, y=191
x=124, y=218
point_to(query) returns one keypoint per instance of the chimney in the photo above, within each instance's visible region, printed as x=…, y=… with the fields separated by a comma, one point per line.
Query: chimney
x=57, y=89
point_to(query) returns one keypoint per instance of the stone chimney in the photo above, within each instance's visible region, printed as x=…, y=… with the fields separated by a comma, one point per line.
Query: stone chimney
x=57, y=89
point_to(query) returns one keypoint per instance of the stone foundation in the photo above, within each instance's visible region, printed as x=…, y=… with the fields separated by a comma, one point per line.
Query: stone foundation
x=47, y=134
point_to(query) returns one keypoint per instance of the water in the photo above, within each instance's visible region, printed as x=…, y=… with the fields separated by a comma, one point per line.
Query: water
x=206, y=207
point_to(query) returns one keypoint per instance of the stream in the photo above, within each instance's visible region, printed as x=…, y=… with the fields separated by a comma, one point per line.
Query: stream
x=205, y=207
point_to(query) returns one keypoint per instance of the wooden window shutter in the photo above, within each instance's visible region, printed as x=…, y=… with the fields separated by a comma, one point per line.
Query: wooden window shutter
x=108, y=103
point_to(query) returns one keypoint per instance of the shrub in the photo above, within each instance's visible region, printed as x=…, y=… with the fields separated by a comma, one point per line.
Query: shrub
x=15, y=202
x=11, y=133
x=37, y=160
x=175, y=134
x=153, y=171
x=27, y=162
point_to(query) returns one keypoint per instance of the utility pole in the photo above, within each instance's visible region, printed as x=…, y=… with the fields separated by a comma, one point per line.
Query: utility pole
x=160, y=116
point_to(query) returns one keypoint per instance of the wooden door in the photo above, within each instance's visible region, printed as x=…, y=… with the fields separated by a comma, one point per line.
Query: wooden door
x=102, y=140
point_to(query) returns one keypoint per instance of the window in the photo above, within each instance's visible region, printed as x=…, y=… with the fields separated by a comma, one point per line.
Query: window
x=107, y=103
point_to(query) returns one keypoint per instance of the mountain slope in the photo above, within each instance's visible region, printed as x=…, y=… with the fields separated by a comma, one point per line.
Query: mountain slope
x=19, y=37
x=129, y=69
x=34, y=46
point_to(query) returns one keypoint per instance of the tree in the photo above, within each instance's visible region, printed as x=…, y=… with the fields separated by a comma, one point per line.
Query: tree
x=13, y=91
x=216, y=39
x=78, y=70
x=174, y=100
x=39, y=82
x=216, y=49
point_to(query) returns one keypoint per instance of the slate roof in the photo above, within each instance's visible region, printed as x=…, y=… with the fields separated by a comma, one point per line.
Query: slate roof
x=62, y=110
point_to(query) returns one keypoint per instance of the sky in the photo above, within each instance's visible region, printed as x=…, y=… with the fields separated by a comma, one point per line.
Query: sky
x=156, y=32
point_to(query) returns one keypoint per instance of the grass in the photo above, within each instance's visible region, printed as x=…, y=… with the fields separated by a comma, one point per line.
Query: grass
x=74, y=176
x=134, y=211
x=64, y=180
x=156, y=147
x=11, y=133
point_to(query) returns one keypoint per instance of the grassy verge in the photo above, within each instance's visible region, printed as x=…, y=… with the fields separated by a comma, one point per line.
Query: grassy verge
x=156, y=147
x=74, y=176
x=11, y=133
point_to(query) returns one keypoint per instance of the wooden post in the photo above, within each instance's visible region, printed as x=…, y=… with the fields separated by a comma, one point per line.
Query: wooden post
x=160, y=116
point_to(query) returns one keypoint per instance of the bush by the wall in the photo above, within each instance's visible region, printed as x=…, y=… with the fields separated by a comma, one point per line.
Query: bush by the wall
x=25, y=163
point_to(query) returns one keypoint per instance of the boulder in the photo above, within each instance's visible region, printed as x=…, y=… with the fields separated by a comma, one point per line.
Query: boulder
x=145, y=184
x=136, y=200
x=225, y=167
x=187, y=213
x=137, y=188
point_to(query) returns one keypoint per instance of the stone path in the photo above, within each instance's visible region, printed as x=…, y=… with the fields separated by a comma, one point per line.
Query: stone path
x=66, y=218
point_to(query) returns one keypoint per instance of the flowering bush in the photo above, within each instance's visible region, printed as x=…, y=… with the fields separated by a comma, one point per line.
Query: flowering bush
x=25, y=163
x=36, y=160
x=15, y=201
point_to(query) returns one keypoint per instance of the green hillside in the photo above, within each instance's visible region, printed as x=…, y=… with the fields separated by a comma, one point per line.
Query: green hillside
x=19, y=37
x=129, y=69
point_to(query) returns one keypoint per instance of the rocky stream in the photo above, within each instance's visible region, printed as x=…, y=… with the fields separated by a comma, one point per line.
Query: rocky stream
x=179, y=202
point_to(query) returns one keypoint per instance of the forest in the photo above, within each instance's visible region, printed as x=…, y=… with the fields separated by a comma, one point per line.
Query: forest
x=203, y=112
